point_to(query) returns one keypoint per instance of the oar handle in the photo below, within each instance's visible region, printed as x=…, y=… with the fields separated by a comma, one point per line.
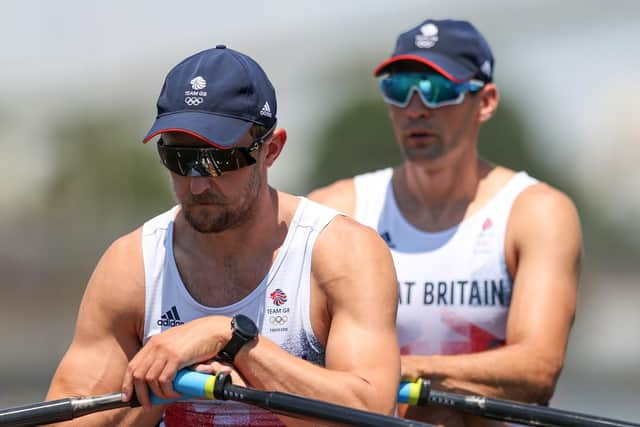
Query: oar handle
x=192, y=384
x=197, y=384
x=419, y=393
x=414, y=393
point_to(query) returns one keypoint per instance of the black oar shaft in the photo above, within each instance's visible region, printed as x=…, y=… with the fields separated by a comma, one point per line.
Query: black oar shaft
x=37, y=413
x=59, y=410
x=199, y=385
x=289, y=404
x=522, y=413
x=88, y=405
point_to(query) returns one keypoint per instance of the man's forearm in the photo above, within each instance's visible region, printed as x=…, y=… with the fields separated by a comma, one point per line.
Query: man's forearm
x=515, y=372
x=266, y=366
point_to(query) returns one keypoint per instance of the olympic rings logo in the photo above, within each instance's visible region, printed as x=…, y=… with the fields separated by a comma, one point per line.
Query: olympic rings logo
x=278, y=320
x=193, y=100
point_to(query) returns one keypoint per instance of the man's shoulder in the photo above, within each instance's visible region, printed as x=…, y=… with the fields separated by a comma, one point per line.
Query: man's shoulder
x=348, y=257
x=340, y=195
x=126, y=245
x=348, y=241
x=536, y=196
x=541, y=197
x=541, y=210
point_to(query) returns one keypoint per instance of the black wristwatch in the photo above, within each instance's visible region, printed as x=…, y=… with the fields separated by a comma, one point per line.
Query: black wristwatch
x=243, y=330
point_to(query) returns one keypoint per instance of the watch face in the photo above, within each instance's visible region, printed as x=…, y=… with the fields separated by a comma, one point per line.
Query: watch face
x=245, y=326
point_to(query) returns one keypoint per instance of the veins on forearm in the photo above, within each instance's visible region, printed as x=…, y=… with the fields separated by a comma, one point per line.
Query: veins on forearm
x=491, y=373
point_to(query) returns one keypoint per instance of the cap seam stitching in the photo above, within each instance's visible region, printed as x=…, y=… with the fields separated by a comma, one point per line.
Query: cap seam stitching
x=247, y=75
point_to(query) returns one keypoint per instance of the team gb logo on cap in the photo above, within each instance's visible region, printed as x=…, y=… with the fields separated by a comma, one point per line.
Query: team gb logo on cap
x=198, y=83
x=195, y=97
x=429, y=36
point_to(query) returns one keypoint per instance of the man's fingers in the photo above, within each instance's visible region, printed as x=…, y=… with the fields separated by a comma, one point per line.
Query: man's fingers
x=127, y=386
x=155, y=388
x=204, y=368
x=166, y=381
x=220, y=367
x=237, y=379
x=168, y=392
x=212, y=367
x=152, y=378
x=142, y=393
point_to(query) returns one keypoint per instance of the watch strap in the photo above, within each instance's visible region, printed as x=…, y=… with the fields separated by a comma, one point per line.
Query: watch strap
x=243, y=330
x=229, y=351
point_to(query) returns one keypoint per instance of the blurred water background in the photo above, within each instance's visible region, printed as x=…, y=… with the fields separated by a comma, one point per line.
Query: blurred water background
x=78, y=85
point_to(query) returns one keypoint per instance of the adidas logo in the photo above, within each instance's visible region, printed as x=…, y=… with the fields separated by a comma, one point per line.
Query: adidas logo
x=266, y=110
x=486, y=68
x=387, y=238
x=170, y=318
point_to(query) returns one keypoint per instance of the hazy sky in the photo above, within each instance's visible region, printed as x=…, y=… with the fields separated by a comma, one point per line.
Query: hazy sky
x=571, y=65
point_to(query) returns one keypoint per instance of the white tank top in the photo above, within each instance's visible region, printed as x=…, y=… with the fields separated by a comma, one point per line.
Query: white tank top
x=279, y=305
x=454, y=286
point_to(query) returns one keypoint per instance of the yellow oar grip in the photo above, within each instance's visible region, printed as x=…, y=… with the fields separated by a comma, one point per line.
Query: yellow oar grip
x=209, y=385
x=414, y=392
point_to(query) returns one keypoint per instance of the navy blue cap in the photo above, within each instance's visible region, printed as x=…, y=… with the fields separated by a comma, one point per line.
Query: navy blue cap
x=215, y=95
x=455, y=49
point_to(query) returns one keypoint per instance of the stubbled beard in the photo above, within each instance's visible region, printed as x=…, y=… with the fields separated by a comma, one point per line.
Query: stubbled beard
x=223, y=216
x=432, y=151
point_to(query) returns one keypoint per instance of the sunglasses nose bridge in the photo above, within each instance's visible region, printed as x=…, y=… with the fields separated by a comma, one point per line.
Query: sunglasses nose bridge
x=416, y=105
x=203, y=166
x=196, y=171
x=201, y=183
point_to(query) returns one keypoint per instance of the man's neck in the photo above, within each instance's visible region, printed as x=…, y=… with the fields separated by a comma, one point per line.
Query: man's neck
x=248, y=239
x=219, y=269
x=434, y=197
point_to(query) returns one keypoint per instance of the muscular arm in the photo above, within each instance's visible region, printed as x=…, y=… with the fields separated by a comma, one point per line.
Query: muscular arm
x=354, y=298
x=543, y=250
x=107, y=335
x=353, y=307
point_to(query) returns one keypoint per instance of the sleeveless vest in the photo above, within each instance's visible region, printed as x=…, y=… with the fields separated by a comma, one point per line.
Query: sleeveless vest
x=279, y=305
x=454, y=286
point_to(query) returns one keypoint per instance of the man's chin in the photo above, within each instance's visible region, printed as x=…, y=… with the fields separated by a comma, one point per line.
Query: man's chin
x=204, y=221
x=423, y=155
x=203, y=206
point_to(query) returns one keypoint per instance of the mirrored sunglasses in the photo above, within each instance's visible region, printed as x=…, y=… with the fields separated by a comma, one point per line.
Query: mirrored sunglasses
x=208, y=161
x=205, y=161
x=434, y=90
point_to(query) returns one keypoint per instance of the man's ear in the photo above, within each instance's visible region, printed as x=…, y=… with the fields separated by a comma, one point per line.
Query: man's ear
x=274, y=145
x=489, y=99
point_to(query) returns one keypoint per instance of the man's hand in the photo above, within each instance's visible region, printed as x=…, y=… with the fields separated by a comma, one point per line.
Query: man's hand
x=412, y=368
x=156, y=364
x=214, y=366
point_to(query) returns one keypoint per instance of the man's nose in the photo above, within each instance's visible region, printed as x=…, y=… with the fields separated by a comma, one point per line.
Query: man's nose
x=200, y=184
x=416, y=108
